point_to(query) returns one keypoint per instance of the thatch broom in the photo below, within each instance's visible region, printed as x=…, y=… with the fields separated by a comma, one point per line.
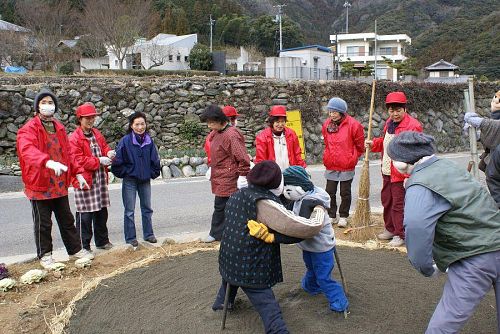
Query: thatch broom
x=361, y=220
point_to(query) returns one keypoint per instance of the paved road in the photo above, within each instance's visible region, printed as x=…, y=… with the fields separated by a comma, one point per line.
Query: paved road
x=182, y=210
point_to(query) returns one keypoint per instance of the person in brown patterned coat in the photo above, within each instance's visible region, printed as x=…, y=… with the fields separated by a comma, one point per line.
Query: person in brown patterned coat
x=229, y=163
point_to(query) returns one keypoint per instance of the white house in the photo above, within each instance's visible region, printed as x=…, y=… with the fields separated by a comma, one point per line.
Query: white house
x=164, y=52
x=444, y=72
x=242, y=63
x=312, y=62
x=360, y=49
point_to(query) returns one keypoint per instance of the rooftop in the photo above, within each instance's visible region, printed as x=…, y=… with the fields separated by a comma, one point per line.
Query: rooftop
x=315, y=46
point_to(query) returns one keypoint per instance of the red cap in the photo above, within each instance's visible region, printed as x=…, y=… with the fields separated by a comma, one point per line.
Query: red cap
x=396, y=97
x=85, y=110
x=279, y=111
x=230, y=111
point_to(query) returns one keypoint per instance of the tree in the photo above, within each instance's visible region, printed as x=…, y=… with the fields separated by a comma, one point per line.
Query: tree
x=200, y=57
x=47, y=23
x=368, y=70
x=14, y=50
x=406, y=67
x=348, y=68
x=155, y=54
x=117, y=24
x=91, y=47
x=265, y=34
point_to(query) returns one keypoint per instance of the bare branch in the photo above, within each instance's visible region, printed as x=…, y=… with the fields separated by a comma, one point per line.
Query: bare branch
x=117, y=24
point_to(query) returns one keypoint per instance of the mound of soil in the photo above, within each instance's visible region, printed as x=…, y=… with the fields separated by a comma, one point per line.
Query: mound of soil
x=174, y=295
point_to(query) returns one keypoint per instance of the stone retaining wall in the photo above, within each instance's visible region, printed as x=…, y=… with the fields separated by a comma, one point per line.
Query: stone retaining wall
x=173, y=107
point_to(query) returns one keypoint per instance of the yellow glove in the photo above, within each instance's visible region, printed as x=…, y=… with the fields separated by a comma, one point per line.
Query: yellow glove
x=260, y=231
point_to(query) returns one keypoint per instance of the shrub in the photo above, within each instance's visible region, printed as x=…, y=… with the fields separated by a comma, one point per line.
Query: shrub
x=66, y=68
x=190, y=130
x=200, y=57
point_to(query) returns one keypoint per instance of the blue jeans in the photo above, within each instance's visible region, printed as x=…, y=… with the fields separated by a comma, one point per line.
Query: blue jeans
x=130, y=187
x=318, y=278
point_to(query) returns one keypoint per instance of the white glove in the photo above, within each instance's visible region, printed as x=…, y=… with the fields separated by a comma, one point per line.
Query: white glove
x=81, y=181
x=242, y=182
x=473, y=119
x=437, y=272
x=105, y=161
x=111, y=154
x=57, y=167
x=208, y=174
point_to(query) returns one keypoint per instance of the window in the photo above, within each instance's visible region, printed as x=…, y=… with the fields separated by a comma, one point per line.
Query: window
x=170, y=58
x=186, y=59
x=388, y=51
x=353, y=51
x=116, y=62
x=178, y=57
x=381, y=73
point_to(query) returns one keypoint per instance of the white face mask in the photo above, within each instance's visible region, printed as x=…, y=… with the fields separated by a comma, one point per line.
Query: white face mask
x=403, y=167
x=47, y=110
x=278, y=191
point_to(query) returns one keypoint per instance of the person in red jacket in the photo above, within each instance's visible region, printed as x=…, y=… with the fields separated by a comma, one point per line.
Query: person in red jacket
x=277, y=142
x=230, y=163
x=47, y=169
x=232, y=114
x=90, y=150
x=344, y=143
x=393, y=191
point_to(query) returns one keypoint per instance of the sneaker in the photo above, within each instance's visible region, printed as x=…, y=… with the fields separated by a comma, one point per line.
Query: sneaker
x=333, y=220
x=151, y=240
x=396, y=242
x=208, y=239
x=134, y=243
x=84, y=254
x=47, y=261
x=220, y=307
x=342, y=222
x=107, y=246
x=386, y=235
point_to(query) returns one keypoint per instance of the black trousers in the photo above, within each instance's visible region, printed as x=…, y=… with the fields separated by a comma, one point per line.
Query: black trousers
x=345, y=197
x=98, y=220
x=41, y=211
x=264, y=302
x=217, y=226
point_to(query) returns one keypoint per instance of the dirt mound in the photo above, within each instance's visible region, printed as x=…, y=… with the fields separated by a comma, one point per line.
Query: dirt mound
x=174, y=295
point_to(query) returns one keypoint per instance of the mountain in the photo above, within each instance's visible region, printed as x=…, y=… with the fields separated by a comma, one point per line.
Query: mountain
x=464, y=32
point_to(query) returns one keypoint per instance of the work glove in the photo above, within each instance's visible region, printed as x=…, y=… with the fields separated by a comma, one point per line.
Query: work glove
x=437, y=272
x=111, y=154
x=81, y=182
x=260, y=231
x=57, y=167
x=208, y=174
x=105, y=161
x=242, y=182
x=473, y=119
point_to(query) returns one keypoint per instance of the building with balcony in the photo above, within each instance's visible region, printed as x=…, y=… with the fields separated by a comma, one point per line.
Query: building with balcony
x=360, y=50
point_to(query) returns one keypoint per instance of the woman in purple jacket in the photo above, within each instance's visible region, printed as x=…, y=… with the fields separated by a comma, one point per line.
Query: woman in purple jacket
x=137, y=162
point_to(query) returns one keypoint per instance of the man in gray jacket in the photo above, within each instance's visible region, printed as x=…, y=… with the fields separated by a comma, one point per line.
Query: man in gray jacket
x=452, y=225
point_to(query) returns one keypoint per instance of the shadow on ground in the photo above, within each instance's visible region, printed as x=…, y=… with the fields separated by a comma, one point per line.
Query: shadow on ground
x=174, y=296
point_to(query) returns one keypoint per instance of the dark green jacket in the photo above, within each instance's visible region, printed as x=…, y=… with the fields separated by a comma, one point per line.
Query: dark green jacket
x=244, y=260
x=472, y=225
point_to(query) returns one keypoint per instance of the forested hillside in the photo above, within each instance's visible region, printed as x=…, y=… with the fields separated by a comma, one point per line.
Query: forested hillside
x=464, y=32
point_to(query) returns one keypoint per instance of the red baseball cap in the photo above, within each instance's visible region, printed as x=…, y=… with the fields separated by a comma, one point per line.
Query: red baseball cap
x=396, y=97
x=230, y=111
x=86, y=110
x=278, y=111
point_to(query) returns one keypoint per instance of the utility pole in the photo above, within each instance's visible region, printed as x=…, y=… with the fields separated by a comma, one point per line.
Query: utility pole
x=212, y=22
x=347, y=5
x=278, y=18
x=376, y=53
